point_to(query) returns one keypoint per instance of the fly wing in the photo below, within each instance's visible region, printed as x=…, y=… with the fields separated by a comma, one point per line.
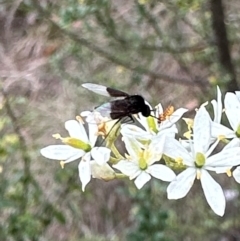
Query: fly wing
x=103, y=90
x=104, y=109
x=116, y=109
x=116, y=93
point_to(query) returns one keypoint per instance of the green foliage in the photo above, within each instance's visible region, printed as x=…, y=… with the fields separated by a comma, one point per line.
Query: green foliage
x=76, y=10
x=150, y=218
x=25, y=213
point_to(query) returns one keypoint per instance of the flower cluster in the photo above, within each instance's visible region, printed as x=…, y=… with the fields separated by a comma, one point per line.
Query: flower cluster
x=152, y=150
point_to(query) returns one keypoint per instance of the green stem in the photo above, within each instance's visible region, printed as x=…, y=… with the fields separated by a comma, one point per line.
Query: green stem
x=116, y=152
x=120, y=176
x=113, y=160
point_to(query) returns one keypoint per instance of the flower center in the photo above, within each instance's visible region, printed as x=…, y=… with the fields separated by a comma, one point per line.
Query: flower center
x=152, y=124
x=142, y=161
x=199, y=160
x=238, y=131
x=74, y=142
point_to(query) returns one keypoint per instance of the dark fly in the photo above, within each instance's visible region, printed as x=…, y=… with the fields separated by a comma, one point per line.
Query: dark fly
x=125, y=106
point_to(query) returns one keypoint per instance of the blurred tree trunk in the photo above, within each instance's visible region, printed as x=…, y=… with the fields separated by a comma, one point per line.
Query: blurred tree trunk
x=222, y=42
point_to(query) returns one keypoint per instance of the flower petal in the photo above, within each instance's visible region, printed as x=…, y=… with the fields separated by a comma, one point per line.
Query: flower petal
x=89, y=116
x=202, y=131
x=236, y=174
x=161, y=172
x=84, y=170
x=217, y=106
x=219, y=170
x=75, y=157
x=175, y=150
x=128, y=168
x=76, y=130
x=213, y=193
x=135, y=131
x=232, y=106
x=238, y=94
x=157, y=144
x=175, y=116
x=181, y=185
x=227, y=157
x=101, y=155
x=170, y=131
x=142, y=179
x=61, y=152
x=103, y=172
x=144, y=121
x=218, y=129
x=233, y=143
x=93, y=131
x=159, y=109
x=133, y=147
x=93, y=117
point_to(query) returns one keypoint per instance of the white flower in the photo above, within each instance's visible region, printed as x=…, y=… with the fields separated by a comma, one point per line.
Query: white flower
x=227, y=169
x=140, y=164
x=105, y=125
x=232, y=110
x=94, y=117
x=129, y=130
x=79, y=145
x=198, y=161
x=152, y=126
x=170, y=118
x=217, y=129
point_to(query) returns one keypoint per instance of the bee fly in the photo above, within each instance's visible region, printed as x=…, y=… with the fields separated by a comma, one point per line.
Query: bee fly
x=125, y=106
x=166, y=114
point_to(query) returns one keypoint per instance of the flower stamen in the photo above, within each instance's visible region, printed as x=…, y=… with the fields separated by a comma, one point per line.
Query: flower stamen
x=221, y=137
x=142, y=161
x=102, y=130
x=198, y=174
x=79, y=119
x=57, y=136
x=62, y=164
x=179, y=161
x=229, y=172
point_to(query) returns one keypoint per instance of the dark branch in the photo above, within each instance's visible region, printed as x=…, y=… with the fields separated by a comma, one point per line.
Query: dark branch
x=111, y=57
x=222, y=42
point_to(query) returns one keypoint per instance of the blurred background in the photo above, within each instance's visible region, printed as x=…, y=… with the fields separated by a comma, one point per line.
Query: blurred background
x=170, y=51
